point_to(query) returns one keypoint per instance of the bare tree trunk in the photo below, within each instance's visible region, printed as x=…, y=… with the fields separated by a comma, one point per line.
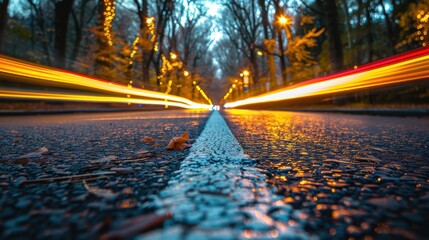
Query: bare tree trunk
x=268, y=45
x=279, y=12
x=78, y=37
x=62, y=13
x=369, y=31
x=142, y=11
x=255, y=69
x=282, y=58
x=348, y=24
x=79, y=22
x=388, y=24
x=41, y=23
x=103, y=60
x=334, y=38
x=3, y=21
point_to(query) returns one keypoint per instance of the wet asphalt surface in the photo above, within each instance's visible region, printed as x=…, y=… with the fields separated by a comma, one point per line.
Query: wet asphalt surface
x=346, y=176
x=85, y=144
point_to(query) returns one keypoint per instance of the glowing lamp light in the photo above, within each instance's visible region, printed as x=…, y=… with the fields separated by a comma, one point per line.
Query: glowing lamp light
x=173, y=56
x=186, y=73
x=283, y=20
x=149, y=20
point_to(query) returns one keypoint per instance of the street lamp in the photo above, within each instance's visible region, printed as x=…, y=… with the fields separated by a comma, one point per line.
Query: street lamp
x=173, y=56
x=245, y=74
x=283, y=20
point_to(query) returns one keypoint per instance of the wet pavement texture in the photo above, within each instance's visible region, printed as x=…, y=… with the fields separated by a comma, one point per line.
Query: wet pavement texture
x=218, y=193
x=346, y=176
x=289, y=176
x=116, y=173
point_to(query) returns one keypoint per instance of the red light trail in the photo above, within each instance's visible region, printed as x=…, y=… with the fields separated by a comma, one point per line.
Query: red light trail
x=410, y=66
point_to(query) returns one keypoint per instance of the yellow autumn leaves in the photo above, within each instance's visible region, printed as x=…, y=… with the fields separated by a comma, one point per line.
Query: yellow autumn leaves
x=177, y=143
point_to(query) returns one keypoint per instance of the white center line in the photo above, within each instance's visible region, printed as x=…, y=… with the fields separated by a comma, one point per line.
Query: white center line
x=218, y=193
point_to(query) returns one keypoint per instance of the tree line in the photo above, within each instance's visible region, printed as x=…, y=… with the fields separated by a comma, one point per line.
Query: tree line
x=160, y=45
x=282, y=42
x=167, y=45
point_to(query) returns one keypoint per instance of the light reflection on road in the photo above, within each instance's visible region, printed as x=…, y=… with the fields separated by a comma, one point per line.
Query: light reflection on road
x=346, y=175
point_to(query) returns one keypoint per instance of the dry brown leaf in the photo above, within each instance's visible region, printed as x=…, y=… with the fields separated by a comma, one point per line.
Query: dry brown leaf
x=185, y=135
x=177, y=143
x=105, y=193
x=147, y=139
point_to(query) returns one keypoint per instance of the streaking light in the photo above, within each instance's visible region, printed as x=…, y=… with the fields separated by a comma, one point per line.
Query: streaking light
x=35, y=74
x=406, y=67
x=9, y=93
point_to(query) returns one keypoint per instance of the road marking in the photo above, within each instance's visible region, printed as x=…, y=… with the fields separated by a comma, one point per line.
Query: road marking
x=219, y=193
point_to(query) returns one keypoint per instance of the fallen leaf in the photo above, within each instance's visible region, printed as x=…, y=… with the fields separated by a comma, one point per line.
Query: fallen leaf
x=127, y=191
x=36, y=154
x=147, y=139
x=105, y=193
x=136, y=225
x=178, y=143
x=185, y=136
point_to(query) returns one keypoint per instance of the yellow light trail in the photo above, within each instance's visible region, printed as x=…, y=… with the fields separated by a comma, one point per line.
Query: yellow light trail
x=9, y=93
x=404, y=68
x=66, y=79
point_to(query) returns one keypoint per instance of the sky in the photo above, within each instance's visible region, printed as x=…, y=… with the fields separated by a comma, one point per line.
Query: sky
x=213, y=12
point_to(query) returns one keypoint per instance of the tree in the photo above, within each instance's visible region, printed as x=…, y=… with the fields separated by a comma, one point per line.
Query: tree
x=330, y=16
x=414, y=25
x=4, y=4
x=104, y=38
x=269, y=43
x=244, y=30
x=82, y=19
x=62, y=12
x=43, y=33
x=279, y=13
x=192, y=42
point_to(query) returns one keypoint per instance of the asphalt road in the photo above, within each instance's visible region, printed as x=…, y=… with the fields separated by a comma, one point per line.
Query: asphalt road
x=36, y=147
x=336, y=175
x=345, y=175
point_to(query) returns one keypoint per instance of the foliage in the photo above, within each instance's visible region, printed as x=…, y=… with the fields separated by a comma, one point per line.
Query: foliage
x=297, y=48
x=414, y=24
